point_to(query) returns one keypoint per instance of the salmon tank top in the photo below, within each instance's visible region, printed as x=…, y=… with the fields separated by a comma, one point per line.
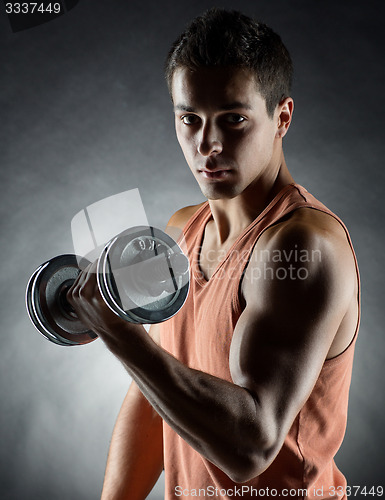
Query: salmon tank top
x=200, y=334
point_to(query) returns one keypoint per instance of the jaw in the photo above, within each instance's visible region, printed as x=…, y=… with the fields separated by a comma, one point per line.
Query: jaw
x=216, y=189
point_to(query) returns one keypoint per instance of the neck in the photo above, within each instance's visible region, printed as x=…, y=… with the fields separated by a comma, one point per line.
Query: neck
x=232, y=216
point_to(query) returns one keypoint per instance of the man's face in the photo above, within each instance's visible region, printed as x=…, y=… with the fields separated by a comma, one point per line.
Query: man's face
x=222, y=126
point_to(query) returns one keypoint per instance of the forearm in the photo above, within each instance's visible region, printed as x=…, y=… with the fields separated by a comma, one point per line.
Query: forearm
x=135, y=459
x=217, y=418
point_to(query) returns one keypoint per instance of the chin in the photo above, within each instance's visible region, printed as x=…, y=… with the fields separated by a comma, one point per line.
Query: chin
x=219, y=192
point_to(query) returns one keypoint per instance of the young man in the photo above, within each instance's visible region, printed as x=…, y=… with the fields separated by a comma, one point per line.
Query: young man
x=244, y=392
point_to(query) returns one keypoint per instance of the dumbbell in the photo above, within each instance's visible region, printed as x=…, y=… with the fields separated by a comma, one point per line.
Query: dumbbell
x=142, y=275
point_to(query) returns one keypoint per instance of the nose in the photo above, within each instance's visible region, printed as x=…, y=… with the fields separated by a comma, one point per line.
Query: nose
x=209, y=142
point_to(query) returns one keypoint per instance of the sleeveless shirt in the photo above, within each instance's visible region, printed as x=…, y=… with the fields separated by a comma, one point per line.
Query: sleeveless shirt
x=200, y=334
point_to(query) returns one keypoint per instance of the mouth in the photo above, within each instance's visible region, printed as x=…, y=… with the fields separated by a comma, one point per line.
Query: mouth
x=215, y=173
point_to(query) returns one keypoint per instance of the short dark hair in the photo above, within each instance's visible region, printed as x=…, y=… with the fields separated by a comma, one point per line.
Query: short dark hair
x=231, y=39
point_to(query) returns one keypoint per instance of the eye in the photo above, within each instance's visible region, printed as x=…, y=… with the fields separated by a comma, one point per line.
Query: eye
x=190, y=119
x=234, y=118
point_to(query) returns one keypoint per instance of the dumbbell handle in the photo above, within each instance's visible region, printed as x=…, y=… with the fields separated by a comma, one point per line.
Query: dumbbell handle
x=64, y=305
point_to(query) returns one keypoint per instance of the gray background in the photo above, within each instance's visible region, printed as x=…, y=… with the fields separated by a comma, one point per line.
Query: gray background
x=85, y=114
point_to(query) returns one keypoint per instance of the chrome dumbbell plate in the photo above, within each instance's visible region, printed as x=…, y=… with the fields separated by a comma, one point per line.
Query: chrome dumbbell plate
x=143, y=275
x=46, y=305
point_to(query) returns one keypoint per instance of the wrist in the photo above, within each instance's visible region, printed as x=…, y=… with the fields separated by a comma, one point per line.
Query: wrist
x=127, y=341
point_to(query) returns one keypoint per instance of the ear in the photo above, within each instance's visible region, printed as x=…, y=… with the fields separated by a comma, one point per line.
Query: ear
x=284, y=113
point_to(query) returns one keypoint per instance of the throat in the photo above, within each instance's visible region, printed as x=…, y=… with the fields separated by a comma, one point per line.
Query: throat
x=227, y=223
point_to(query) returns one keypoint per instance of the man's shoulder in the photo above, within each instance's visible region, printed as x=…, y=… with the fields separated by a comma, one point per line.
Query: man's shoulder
x=306, y=226
x=180, y=218
x=308, y=240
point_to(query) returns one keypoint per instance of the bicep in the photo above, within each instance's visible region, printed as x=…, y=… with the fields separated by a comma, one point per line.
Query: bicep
x=282, y=338
x=278, y=362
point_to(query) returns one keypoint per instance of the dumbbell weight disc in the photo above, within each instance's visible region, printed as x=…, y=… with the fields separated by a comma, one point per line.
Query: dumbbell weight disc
x=46, y=305
x=31, y=311
x=143, y=275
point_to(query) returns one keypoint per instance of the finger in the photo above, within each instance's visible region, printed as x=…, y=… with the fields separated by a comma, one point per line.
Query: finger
x=89, y=275
x=86, y=273
x=91, y=269
x=87, y=286
x=78, y=280
x=74, y=290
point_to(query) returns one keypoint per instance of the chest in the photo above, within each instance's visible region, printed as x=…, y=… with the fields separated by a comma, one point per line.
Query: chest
x=210, y=254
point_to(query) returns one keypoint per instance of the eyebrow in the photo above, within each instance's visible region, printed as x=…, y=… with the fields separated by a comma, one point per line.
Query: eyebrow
x=225, y=107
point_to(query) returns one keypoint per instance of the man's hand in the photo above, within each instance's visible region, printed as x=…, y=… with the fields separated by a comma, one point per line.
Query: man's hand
x=93, y=312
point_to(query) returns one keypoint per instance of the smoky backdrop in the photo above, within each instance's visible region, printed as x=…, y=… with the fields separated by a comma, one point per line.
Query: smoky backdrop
x=85, y=114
